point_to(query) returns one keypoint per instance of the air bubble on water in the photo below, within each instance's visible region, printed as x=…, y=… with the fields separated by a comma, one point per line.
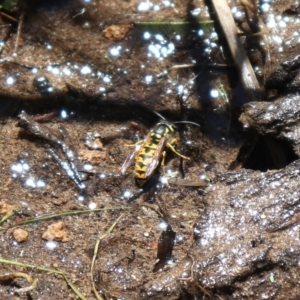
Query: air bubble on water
x=85, y=70
x=214, y=93
x=162, y=225
x=154, y=50
x=80, y=198
x=87, y=167
x=147, y=35
x=265, y=7
x=144, y=6
x=51, y=245
x=106, y=79
x=195, y=12
x=148, y=78
x=55, y=71
x=40, y=184
x=200, y=32
x=115, y=51
x=164, y=179
x=167, y=3
x=92, y=205
x=127, y=194
x=10, y=80
x=66, y=71
x=63, y=114
x=29, y=182
x=159, y=37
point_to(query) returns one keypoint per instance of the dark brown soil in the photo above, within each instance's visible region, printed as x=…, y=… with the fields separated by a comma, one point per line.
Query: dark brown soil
x=221, y=225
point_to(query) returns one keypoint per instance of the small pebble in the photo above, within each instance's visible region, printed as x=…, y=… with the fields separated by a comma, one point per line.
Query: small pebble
x=20, y=235
x=5, y=208
x=56, y=232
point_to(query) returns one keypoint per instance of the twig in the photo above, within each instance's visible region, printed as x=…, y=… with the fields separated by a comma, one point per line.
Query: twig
x=240, y=58
x=8, y=17
x=20, y=24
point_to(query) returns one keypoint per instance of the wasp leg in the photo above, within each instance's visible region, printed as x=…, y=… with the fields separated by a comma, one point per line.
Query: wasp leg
x=135, y=144
x=174, y=141
x=162, y=164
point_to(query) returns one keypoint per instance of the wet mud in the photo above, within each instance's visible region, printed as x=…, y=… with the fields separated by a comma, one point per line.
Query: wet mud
x=82, y=84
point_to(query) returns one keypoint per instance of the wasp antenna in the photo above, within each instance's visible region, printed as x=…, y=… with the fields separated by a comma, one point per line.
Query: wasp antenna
x=187, y=122
x=158, y=114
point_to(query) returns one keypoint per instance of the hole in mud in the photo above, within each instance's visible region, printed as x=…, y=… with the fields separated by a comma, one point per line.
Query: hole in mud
x=269, y=153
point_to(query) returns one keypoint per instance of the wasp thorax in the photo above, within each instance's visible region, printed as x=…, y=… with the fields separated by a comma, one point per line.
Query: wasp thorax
x=163, y=129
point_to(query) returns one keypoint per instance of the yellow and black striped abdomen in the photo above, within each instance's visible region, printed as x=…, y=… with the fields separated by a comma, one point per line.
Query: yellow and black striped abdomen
x=143, y=160
x=150, y=154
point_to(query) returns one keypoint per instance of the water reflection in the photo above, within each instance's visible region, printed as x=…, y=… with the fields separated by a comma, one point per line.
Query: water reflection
x=51, y=245
x=10, y=80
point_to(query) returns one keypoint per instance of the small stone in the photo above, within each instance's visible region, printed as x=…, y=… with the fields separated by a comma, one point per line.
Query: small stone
x=5, y=208
x=116, y=32
x=56, y=232
x=20, y=235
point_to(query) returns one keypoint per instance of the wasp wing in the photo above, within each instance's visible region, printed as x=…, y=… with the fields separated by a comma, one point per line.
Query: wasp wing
x=131, y=157
x=156, y=156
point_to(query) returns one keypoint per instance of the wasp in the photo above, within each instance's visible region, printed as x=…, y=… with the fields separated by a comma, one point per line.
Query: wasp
x=148, y=152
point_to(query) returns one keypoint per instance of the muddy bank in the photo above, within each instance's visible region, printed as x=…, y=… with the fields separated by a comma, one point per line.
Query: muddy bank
x=80, y=85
